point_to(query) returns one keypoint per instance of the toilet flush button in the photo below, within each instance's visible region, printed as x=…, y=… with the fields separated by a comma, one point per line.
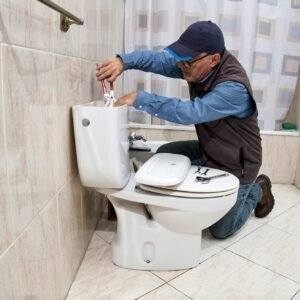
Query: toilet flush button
x=85, y=122
x=148, y=252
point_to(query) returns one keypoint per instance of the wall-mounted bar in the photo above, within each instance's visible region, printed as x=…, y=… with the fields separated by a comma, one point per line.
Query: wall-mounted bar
x=66, y=18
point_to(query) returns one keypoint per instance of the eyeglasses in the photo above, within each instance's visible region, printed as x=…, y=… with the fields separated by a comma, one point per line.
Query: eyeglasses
x=188, y=64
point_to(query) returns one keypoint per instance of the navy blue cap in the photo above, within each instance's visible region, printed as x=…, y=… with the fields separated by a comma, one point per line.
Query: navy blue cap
x=202, y=36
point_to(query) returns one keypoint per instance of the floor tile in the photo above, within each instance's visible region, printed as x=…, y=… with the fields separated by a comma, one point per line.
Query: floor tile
x=99, y=278
x=286, y=196
x=228, y=276
x=288, y=221
x=168, y=275
x=273, y=249
x=297, y=296
x=106, y=229
x=165, y=292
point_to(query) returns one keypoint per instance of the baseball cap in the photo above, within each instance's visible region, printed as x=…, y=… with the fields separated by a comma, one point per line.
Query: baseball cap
x=202, y=36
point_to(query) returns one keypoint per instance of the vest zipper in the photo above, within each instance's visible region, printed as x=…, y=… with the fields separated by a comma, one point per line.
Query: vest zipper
x=242, y=160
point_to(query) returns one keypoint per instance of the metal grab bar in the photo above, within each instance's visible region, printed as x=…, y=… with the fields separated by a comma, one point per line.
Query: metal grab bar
x=66, y=18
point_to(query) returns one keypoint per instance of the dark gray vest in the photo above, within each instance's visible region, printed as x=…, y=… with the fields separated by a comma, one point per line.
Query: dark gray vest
x=230, y=144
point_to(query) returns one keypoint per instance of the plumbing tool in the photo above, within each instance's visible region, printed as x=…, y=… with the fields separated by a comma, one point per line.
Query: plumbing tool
x=110, y=97
x=208, y=179
x=201, y=172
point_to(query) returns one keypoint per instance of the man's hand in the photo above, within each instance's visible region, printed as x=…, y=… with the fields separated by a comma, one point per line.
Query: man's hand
x=127, y=99
x=110, y=69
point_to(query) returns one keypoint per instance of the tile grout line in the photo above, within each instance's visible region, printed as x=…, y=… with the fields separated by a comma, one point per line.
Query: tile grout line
x=297, y=293
x=49, y=52
x=181, y=292
x=35, y=217
x=101, y=238
x=281, y=275
x=7, y=180
x=249, y=233
x=158, y=287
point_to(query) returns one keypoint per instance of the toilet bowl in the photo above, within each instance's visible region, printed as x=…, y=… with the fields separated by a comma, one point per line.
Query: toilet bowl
x=163, y=208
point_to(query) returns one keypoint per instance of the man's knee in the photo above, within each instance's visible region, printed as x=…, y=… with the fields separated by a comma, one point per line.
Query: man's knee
x=220, y=233
x=165, y=148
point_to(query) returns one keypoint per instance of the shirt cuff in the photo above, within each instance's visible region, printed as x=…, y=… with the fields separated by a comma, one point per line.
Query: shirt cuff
x=141, y=100
x=127, y=59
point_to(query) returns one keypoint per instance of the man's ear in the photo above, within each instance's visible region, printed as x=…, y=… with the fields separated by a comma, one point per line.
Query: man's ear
x=215, y=59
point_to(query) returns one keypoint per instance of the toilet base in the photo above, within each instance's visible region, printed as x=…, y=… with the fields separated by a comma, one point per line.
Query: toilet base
x=143, y=244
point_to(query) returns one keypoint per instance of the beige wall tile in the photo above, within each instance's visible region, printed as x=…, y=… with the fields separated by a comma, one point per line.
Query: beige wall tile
x=69, y=218
x=26, y=23
x=38, y=257
x=67, y=86
x=297, y=176
x=36, y=139
x=10, y=275
x=93, y=206
x=280, y=154
x=68, y=43
x=91, y=88
x=88, y=35
x=6, y=228
x=6, y=224
x=27, y=90
x=109, y=28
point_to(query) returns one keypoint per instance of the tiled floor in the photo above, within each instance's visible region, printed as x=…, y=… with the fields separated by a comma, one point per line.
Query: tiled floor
x=262, y=261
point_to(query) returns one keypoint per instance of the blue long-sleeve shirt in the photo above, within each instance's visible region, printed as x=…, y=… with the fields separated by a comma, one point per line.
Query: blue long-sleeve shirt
x=228, y=98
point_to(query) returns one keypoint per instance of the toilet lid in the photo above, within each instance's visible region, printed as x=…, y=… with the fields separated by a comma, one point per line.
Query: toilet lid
x=191, y=187
x=163, y=169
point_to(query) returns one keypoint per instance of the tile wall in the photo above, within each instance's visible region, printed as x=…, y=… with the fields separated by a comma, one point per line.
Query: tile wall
x=46, y=217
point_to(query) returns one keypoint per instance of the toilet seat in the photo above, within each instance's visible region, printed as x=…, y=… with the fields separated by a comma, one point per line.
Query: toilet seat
x=175, y=193
x=187, y=193
x=191, y=188
x=172, y=174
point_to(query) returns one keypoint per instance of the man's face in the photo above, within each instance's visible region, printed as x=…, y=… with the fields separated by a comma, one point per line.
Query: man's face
x=197, y=68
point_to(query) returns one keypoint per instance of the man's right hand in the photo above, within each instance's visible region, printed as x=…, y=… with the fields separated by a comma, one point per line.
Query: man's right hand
x=109, y=70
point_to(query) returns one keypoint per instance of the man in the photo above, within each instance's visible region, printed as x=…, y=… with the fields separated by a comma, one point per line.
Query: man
x=221, y=107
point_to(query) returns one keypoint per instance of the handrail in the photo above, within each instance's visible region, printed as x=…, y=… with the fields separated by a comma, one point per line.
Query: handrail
x=66, y=18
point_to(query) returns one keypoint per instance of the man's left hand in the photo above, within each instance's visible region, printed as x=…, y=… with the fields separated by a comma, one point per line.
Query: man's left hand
x=127, y=99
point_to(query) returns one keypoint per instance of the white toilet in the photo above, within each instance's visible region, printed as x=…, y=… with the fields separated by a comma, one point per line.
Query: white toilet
x=163, y=208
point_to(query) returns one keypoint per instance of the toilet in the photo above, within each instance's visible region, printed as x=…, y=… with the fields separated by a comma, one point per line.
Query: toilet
x=163, y=208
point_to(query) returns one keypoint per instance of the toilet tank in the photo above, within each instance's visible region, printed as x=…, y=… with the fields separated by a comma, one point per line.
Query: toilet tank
x=101, y=139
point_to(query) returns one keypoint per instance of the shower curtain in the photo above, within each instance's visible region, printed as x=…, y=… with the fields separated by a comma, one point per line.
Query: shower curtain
x=263, y=34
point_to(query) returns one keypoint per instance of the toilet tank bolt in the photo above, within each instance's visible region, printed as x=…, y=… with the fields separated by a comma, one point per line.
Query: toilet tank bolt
x=85, y=122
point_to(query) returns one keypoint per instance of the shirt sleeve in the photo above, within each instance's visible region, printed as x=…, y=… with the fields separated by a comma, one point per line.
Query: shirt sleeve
x=161, y=63
x=228, y=98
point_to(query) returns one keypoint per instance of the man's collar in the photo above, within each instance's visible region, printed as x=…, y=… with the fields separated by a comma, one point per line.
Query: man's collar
x=207, y=76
